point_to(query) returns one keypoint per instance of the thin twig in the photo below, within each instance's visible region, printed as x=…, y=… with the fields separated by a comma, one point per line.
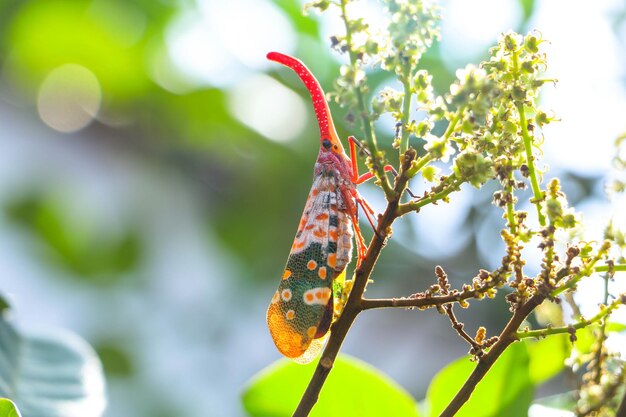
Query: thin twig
x=406, y=106
x=458, y=326
x=425, y=301
x=432, y=197
x=588, y=269
x=603, y=313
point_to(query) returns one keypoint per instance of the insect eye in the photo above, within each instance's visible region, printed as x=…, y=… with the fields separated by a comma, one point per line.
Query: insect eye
x=326, y=144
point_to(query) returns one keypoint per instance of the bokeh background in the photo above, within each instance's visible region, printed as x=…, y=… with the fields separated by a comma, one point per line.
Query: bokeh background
x=153, y=167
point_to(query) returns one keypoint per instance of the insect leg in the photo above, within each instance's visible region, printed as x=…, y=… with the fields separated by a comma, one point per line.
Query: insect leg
x=358, y=237
x=367, y=209
x=359, y=179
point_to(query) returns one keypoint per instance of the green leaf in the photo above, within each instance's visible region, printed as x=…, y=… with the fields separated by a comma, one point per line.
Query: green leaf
x=528, y=8
x=8, y=408
x=564, y=401
x=304, y=24
x=74, y=244
x=50, y=375
x=115, y=359
x=111, y=54
x=547, y=356
x=507, y=389
x=615, y=327
x=4, y=305
x=585, y=337
x=353, y=388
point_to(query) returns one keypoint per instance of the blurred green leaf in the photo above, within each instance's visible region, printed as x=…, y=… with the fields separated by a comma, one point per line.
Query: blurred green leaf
x=442, y=76
x=43, y=36
x=506, y=390
x=353, y=388
x=115, y=359
x=614, y=327
x=547, y=356
x=4, y=305
x=585, y=337
x=584, y=340
x=80, y=247
x=8, y=408
x=304, y=24
x=528, y=7
x=51, y=375
x=277, y=183
x=565, y=401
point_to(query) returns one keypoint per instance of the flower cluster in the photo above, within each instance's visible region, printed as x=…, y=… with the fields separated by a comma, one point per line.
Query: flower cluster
x=413, y=27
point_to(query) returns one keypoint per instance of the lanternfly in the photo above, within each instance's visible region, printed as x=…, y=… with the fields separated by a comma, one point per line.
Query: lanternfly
x=302, y=309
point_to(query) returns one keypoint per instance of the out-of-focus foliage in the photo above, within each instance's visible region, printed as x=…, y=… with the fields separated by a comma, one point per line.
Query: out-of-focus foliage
x=82, y=249
x=49, y=375
x=8, y=408
x=121, y=44
x=353, y=389
x=509, y=378
x=508, y=388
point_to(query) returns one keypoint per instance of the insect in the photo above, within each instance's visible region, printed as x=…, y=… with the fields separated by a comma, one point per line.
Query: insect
x=301, y=311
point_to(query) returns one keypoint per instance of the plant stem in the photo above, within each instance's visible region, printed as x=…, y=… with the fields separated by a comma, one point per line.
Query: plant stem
x=539, y=333
x=601, y=337
x=528, y=147
x=431, y=198
x=530, y=162
x=621, y=412
x=368, y=131
x=616, y=268
x=458, y=326
x=406, y=111
x=510, y=204
x=423, y=302
x=587, y=270
x=424, y=160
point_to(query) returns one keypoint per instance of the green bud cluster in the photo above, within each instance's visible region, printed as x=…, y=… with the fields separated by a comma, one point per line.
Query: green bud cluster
x=346, y=85
x=388, y=100
x=557, y=210
x=618, y=184
x=413, y=27
x=474, y=168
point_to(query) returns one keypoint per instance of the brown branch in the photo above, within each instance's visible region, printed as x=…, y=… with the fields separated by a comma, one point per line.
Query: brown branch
x=485, y=362
x=354, y=304
x=418, y=302
x=340, y=328
x=621, y=411
x=423, y=301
